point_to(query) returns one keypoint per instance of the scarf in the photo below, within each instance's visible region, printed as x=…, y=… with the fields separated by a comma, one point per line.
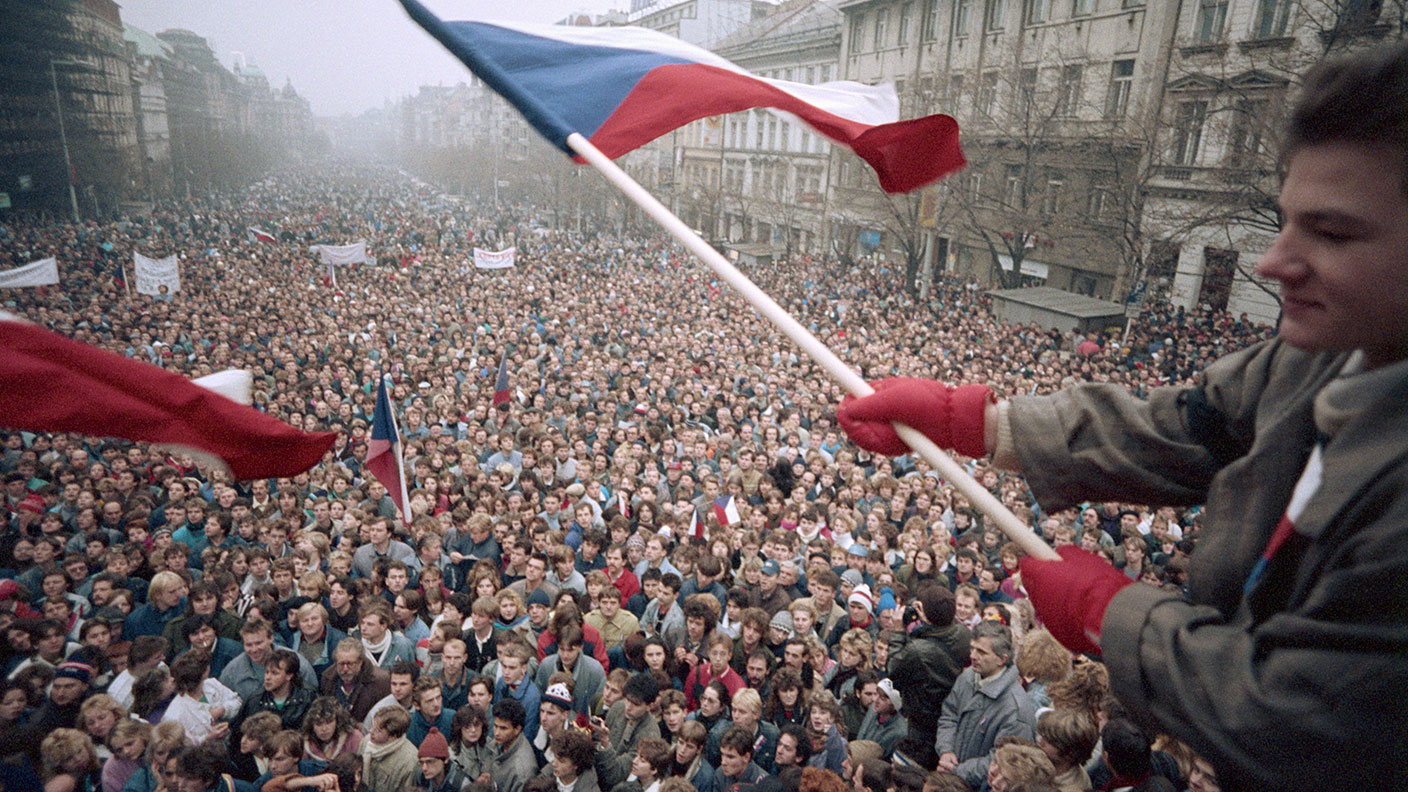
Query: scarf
x=381, y=647
x=375, y=752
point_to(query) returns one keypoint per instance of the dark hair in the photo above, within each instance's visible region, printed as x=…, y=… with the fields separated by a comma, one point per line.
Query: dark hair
x=406, y=667
x=1361, y=98
x=468, y=715
x=875, y=774
x=737, y=738
x=190, y=670
x=799, y=734
x=288, y=661
x=510, y=710
x=641, y=687
x=1126, y=748
x=205, y=762
x=575, y=746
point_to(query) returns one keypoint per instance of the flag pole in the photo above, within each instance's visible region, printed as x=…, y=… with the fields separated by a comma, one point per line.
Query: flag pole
x=844, y=375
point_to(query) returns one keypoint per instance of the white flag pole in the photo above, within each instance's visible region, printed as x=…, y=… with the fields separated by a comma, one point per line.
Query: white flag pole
x=810, y=344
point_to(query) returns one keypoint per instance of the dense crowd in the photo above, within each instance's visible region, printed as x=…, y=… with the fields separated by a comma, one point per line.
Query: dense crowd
x=661, y=566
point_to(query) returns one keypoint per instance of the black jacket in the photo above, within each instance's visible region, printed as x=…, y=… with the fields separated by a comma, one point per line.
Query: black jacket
x=923, y=666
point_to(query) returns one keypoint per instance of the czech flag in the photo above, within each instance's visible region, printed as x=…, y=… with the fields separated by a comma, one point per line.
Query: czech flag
x=501, y=394
x=725, y=511
x=622, y=87
x=49, y=383
x=260, y=235
x=384, y=452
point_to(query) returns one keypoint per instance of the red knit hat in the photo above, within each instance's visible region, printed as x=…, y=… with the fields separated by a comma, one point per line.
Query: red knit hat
x=434, y=746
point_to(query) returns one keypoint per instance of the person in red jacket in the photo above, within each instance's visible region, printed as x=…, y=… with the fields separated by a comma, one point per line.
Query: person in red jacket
x=720, y=649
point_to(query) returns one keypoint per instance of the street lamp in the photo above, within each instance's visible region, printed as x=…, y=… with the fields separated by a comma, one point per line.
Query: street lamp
x=63, y=135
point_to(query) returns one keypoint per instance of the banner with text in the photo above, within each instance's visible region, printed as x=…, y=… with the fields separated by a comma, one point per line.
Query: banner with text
x=44, y=272
x=488, y=259
x=152, y=274
x=342, y=255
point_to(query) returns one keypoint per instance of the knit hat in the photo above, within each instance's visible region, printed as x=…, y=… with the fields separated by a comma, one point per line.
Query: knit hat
x=72, y=670
x=888, y=688
x=887, y=600
x=434, y=745
x=9, y=589
x=782, y=620
x=853, y=577
x=558, y=695
x=539, y=597
x=861, y=596
x=33, y=502
x=635, y=540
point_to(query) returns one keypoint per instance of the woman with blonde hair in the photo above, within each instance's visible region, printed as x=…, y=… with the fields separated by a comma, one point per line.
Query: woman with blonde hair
x=97, y=717
x=1042, y=660
x=128, y=744
x=1014, y=764
x=70, y=762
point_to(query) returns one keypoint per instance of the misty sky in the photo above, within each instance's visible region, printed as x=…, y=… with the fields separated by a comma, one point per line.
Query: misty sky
x=345, y=56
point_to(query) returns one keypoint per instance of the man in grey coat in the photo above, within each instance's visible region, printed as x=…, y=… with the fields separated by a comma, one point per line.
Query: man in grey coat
x=515, y=762
x=987, y=702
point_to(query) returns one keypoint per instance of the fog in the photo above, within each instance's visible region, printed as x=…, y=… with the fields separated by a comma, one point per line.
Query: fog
x=344, y=56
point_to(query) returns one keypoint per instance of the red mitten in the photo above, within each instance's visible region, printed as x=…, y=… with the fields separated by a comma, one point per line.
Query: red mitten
x=952, y=417
x=1070, y=595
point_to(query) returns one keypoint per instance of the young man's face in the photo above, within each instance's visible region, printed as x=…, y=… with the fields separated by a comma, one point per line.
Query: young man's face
x=732, y=763
x=965, y=606
x=512, y=669
x=1344, y=235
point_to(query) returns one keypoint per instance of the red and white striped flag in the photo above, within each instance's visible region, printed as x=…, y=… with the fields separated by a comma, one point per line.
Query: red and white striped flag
x=260, y=235
x=49, y=383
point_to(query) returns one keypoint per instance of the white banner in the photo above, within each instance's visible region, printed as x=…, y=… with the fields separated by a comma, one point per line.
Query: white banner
x=44, y=272
x=342, y=255
x=488, y=259
x=152, y=274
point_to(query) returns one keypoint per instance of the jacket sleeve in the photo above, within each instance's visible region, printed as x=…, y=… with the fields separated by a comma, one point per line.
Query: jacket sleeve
x=1284, y=704
x=1100, y=442
x=948, y=721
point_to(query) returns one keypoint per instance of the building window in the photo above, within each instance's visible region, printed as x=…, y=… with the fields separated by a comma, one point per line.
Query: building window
x=1248, y=125
x=962, y=11
x=996, y=14
x=902, y=30
x=1014, y=185
x=1055, y=186
x=1358, y=13
x=1212, y=16
x=987, y=93
x=882, y=21
x=1188, y=131
x=858, y=33
x=1068, y=93
x=1081, y=8
x=1038, y=11
x=955, y=92
x=1098, y=204
x=1271, y=16
x=1026, y=94
x=929, y=23
x=1121, y=79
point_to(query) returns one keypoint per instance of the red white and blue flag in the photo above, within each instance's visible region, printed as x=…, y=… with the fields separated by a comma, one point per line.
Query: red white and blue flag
x=384, y=453
x=501, y=390
x=725, y=511
x=622, y=87
x=260, y=235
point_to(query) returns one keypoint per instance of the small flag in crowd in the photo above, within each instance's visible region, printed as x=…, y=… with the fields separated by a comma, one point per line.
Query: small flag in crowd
x=501, y=390
x=49, y=383
x=696, y=523
x=623, y=502
x=622, y=87
x=384, y=453
x=726, y=511
x=260, y=235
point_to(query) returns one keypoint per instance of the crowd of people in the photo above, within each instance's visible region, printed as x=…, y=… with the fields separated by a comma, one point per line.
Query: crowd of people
x=661, y=566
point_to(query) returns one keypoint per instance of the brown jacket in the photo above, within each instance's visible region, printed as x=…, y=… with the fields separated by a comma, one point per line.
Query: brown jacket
x=371, y=686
